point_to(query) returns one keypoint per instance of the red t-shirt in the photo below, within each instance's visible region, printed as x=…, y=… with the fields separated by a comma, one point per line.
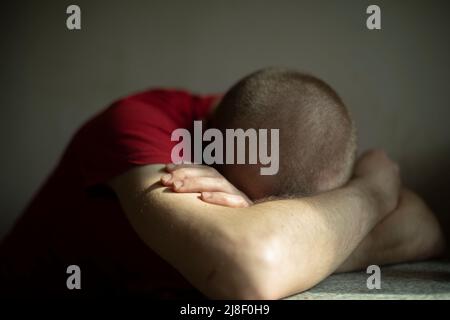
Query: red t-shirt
x=76, y=219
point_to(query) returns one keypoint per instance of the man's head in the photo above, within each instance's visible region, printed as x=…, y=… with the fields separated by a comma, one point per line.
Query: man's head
x=317, y=136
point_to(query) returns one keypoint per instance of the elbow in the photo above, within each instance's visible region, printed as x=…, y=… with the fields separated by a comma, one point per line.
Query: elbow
x=434, y=244
x=429, y=240
x=251, y=272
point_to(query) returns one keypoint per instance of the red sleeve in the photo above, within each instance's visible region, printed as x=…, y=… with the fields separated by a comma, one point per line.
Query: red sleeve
x=135, y=131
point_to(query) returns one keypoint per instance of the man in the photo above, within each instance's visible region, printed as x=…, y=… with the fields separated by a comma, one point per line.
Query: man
x=202, y=226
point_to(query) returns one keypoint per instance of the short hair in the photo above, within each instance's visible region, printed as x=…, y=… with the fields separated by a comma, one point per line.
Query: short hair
x=317, y=135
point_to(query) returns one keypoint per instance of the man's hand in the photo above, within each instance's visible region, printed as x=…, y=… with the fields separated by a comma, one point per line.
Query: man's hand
x=214, y=188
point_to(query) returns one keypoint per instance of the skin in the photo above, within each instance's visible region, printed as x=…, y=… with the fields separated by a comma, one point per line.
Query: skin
x=410, y=232
x=229, y=248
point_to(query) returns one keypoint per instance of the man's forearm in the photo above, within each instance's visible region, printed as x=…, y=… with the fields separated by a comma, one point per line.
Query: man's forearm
x=409, y=233
x=312, y=236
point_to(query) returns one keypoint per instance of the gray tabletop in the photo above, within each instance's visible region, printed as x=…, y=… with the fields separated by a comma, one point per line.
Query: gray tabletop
x=422, y=280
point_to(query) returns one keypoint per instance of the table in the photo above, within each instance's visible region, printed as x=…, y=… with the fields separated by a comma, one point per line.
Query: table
x=421, y=280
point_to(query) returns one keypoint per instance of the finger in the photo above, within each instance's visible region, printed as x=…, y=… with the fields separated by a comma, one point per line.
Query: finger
x=172, y=166
x=184, y=172
x=166, y=179
x=224, y=199
x=204, y=184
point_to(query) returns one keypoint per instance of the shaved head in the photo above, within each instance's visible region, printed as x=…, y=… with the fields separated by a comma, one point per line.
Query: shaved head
x=317, y=135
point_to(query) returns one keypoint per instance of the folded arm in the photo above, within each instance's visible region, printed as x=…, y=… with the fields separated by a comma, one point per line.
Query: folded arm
x=410, y=233
x=268, y=250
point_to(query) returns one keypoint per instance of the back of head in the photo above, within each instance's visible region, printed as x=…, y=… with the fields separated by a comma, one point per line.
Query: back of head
x=317, y=136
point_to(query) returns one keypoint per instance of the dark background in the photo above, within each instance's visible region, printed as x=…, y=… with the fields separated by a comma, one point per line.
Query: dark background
x=395, y=81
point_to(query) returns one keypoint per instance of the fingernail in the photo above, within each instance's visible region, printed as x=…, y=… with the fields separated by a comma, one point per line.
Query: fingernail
x=166, y=178
x=177, y=184
x=236, y=199
x=206, y=194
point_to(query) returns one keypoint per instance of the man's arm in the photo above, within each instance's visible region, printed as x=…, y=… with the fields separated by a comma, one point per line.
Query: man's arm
x=269, y=250
x=409, y=233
